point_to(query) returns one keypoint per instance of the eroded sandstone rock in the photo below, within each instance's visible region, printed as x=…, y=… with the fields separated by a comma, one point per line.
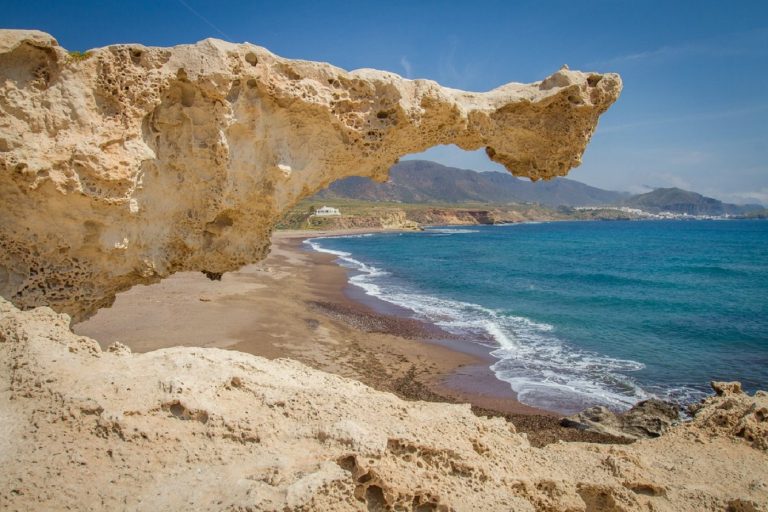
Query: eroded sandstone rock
x=646, y=419
x=210, y=429
x=726, y=388
x=129, y=163
x=751, y=425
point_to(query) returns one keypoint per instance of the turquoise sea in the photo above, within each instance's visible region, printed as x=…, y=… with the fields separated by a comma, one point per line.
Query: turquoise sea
x=584, y=313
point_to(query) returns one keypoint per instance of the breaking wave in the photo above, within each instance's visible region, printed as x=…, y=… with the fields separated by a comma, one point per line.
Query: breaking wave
x=542, y=369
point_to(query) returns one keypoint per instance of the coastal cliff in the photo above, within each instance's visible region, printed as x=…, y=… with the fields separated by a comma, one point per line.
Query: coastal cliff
x=126, y=164
x=372, y=218
x=414, y=216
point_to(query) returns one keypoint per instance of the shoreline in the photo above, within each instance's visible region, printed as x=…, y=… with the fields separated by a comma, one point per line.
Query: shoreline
x=474, y=382
x=470, y=381
x=297, y=304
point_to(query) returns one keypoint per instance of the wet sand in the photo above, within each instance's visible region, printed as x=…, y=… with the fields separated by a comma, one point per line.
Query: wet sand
x=297, y=303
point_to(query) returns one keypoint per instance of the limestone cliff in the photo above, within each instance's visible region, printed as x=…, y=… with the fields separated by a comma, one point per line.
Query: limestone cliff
x=453, y=216
x=128, y=163
x=373, y=218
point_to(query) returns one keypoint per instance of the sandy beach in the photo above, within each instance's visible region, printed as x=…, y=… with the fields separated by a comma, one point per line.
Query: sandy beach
x=298, y=304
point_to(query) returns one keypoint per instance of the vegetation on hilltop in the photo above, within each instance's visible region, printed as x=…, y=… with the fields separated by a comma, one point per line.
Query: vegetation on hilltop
x=78, y=56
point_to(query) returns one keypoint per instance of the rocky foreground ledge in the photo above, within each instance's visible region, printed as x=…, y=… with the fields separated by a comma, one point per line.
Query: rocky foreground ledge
x=210, y=429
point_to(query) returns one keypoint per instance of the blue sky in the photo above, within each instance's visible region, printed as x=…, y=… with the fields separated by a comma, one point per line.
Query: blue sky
x=693, y=111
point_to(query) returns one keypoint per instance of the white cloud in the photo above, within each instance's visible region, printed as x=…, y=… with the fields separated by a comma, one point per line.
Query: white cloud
x=688, y=118
x=722, y=45
x=671, y=180
x=406, y=66
x=634, y=188
x=753, y=196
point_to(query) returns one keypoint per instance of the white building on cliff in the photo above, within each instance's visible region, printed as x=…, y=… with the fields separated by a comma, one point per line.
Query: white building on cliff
x=327, y=211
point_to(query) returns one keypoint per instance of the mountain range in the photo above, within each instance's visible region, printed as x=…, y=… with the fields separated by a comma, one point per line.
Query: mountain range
x=422, y=181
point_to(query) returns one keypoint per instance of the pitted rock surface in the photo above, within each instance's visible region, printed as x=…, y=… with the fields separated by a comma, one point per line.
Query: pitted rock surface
x=210, y=429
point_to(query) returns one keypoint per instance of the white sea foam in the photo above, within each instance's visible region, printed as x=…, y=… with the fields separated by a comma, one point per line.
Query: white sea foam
x=357, y=235
x=523, y=223
x=346, y=259
x=450, y=231
x=541, y=368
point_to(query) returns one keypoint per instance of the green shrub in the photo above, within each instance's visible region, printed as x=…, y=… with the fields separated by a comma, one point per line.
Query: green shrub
x=78, y=56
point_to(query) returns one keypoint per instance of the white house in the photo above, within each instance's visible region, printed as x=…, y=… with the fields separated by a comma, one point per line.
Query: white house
x=327, y=211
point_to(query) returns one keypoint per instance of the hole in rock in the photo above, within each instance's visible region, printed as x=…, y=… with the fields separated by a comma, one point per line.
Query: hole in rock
x=374, y=498
x=136, y=55
x=424, y=507
x=179, y=411
x=213, y=276
x=593, y=80
x=347, y=463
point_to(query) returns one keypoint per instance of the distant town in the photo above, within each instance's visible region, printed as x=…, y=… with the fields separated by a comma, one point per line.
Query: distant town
x=637, y=213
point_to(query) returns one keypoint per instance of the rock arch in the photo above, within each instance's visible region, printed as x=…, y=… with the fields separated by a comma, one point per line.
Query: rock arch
x=126, y=164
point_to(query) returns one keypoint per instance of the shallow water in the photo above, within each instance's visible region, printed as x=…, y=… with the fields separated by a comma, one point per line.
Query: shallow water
x=585, y=313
